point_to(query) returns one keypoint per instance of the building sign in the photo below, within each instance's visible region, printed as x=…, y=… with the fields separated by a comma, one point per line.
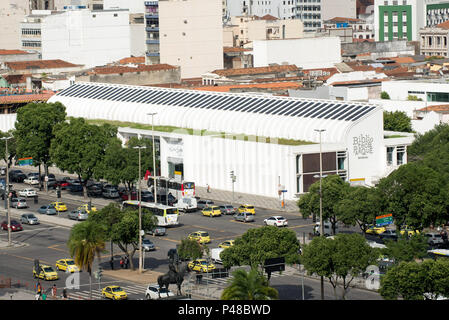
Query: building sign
x=363, y=146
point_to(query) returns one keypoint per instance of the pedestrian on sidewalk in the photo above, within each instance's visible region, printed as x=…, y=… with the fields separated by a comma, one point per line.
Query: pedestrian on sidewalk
x=53, y=291
x=111, y=262
x=64, y=294
x=122, y=262
x=208, y=188
x=126, y=262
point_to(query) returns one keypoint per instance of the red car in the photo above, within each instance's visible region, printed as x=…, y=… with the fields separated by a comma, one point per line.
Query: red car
x=125, y=197
x=15, y=225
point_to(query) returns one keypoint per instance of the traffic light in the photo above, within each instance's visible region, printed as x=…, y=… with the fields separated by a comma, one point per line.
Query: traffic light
x=232, y=174
x=100, y=273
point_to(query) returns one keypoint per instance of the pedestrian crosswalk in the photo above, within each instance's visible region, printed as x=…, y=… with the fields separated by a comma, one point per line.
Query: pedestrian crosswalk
x=136, y=289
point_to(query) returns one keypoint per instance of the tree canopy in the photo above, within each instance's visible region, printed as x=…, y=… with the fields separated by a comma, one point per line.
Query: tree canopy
x=258, y=244
x=249, y=286
x=343, y=257
x=397, y=121
x=79, y=147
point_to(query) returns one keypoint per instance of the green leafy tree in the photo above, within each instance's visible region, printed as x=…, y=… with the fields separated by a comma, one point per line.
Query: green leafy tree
x=334, y=189
x=416, y=195
x=437, y=278
x=428, y=142
x=34, y=131
x=107, y=217
x=12, y=147
x=359, y=206
x=258, y=244
x=249, y=286
x=121, y=164
x=86, y=241
x=342, y=258
x=406, y=280
x=384, y=95
x=406, y=249
x=397, y=121
x=79, y=147
x=190, y=249
x=125, y=232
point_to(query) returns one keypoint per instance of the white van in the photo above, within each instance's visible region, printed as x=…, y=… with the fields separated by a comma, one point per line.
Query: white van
x=186, y=204
x=327, y=228
x=215, y=254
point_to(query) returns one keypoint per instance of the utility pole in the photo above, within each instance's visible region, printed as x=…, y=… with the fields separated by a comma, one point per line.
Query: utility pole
x=8, y=198
x=233, y=179
x=154, y=156
x=321, y=205
x=140, y=208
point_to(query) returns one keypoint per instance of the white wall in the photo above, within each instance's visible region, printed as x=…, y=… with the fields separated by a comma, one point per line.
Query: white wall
x=191, y=35
x=427, y=123
x=341, y=8
x=399, y=90
x=12, y=12
x=134, y=6
x=308, y=53
x=79, y=37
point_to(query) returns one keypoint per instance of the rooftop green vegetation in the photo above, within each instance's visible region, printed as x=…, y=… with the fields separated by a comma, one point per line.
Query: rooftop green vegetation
x=188, y=131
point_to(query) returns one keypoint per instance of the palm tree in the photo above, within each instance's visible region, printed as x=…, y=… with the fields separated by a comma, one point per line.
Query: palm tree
x=249, y=286
x=86, y=240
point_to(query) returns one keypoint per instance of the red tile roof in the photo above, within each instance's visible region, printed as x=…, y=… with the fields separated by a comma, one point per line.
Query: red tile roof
x=39, y=64
x=25, y=98
x=444, y=25
x=235, y=49
x=442, y=108
x=273, y=85
x=15, y=79
x=267, y=17
x=257, y=70
x=125, y=69
x=136, y=60
x=9, y=52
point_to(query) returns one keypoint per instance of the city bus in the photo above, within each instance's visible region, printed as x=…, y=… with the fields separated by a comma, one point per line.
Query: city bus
x=178, y=189
x=166, y=216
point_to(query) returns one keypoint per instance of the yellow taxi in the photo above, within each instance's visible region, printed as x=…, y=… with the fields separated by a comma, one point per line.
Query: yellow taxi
x=211, y=211
x=67, y=265
x=409, y=230
x=247, y=208
x=226, y=244
x=114, y=293
x=85, y=207
x=200, y=236
x=59, y=206
x=45, y=272
x=375, y=230
x=201, y=265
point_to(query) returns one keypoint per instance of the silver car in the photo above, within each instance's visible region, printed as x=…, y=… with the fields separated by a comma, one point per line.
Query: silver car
x=78, y=215
x=29, y=218
x=19, y=203
x=244, y=217
x=147, y=245
x=434, y=239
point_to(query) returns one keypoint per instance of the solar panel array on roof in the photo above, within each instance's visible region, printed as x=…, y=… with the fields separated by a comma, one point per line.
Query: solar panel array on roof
x=217, y=101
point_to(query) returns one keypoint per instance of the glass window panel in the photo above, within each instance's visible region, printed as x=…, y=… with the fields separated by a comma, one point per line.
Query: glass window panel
x=165, y=95
x=146, y=97
x=95, y=90
x=272, y=102
x=259, y=105
x=153, y=97
x=190, y=96
x=246, y=102
x=257, y=101
x=354, y=111
x=230, y=103
x=298, y=111
x=172, y=98
x=117, y=94
x=323, y=111
x=194, y=102
x=105, y=92
x=284, y=107
x=140, y=95
x=76, y=91
x=221, y=102
x=341, y=112
x=316, y=108
x=206, y=103
x=275, y=106
x=337, y=109
x=69, y=90
x=127, y=95
x=362, y=113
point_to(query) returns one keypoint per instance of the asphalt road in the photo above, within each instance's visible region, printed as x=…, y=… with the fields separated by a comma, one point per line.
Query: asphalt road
x=48, y=244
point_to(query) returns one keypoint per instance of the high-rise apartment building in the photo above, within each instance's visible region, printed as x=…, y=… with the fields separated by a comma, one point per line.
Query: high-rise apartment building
x=190, y=35
x=402, y=19
x=152, y=54
x=78, y=35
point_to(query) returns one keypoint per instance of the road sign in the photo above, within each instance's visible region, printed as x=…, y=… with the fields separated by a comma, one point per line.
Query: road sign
x=384, y=220
x=26, y=161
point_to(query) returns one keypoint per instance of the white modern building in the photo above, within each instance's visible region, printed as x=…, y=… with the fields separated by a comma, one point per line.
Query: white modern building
x=191, y=35
x=427, y=90
x=282, y=9
x=80, y=36
x=403, y=19
x=308, y=53
x=265, y=140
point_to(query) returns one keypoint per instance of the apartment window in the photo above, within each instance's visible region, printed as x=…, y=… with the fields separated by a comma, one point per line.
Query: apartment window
x=400, y=153
x=115, y=15
x=390, y=151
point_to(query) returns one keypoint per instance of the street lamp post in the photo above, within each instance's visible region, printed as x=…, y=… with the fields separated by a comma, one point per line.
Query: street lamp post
x=7, y=190
x=140, y=209
x=321, y=204
x=154, y=157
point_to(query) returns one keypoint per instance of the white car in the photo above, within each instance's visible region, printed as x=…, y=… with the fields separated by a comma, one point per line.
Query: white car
x=277, y=221
x=31, y=180
x=152, y=292
x=27, y=193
